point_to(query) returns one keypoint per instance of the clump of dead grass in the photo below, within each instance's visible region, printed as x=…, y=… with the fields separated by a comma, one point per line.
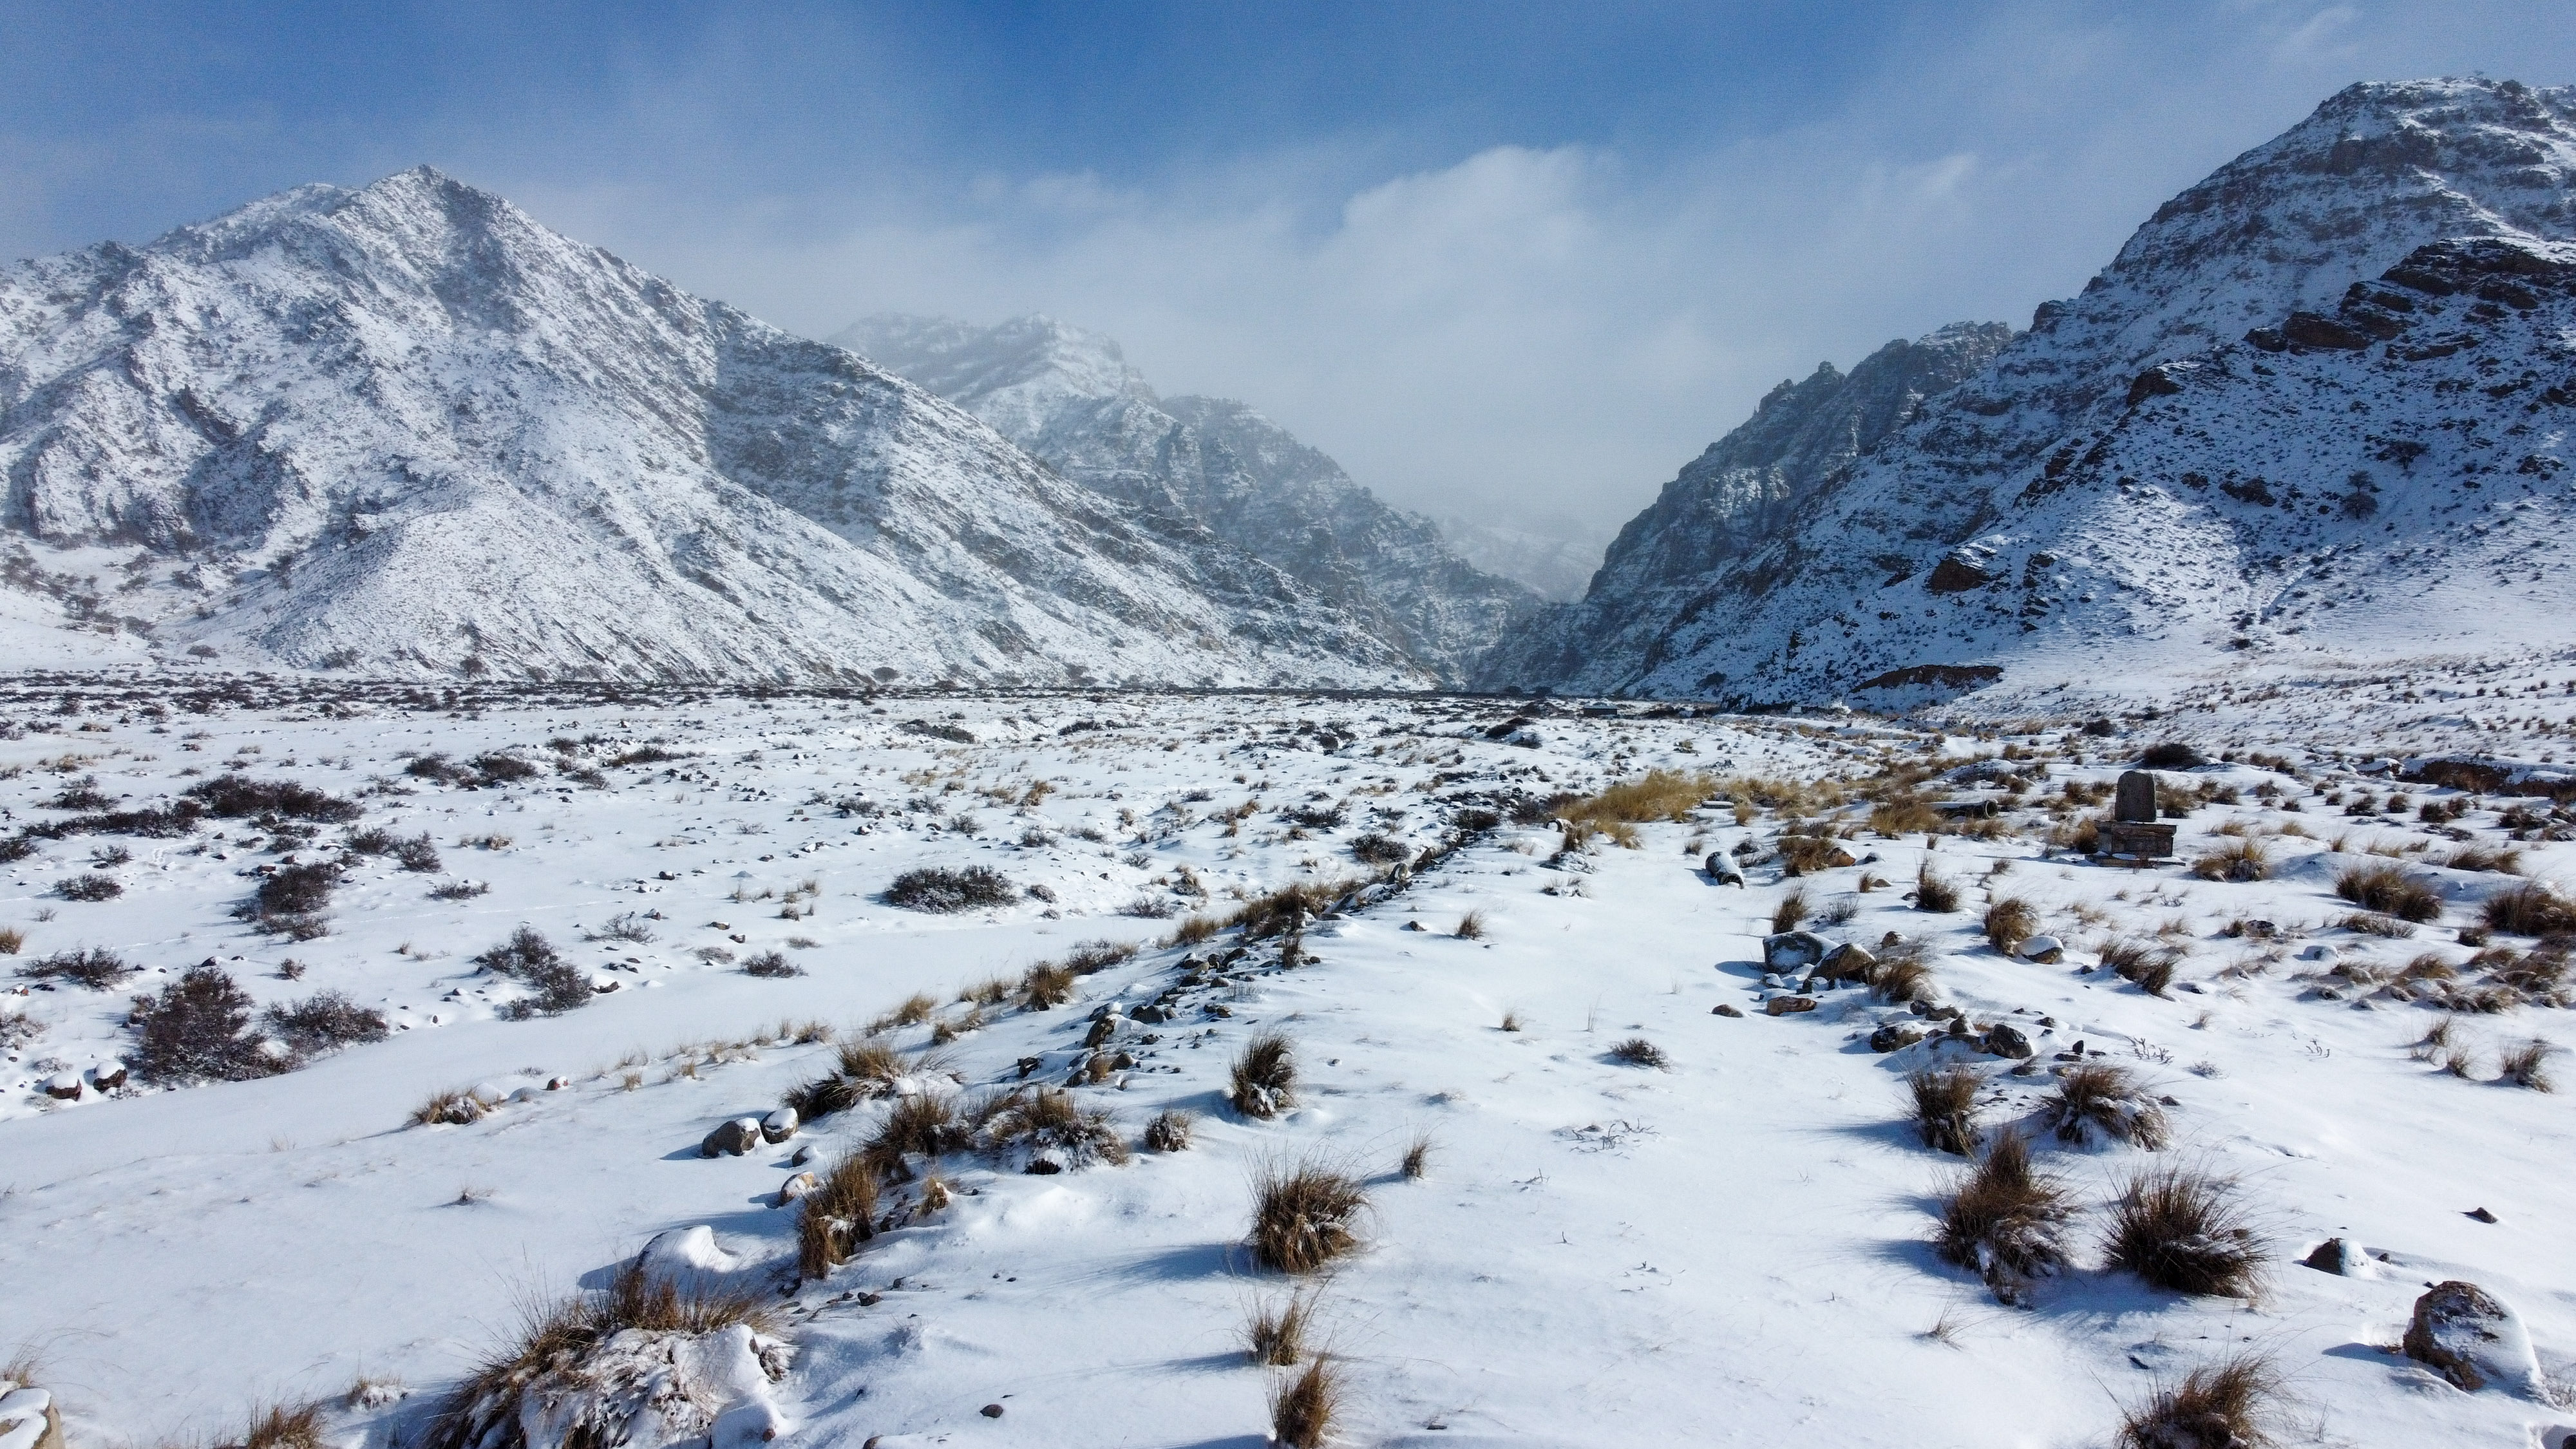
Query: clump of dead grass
x=2004, y=1219
x=2183, y=1230
x=1305, y=1215
x=1264, y=1076
x=1945, y=1108
x=2235, y=1403
x=2096, y=1100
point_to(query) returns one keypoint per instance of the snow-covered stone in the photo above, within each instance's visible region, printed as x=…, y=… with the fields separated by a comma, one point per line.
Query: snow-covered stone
x=2470, y=1337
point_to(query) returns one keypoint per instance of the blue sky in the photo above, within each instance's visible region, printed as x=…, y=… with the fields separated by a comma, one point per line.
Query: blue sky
x=1508, y=259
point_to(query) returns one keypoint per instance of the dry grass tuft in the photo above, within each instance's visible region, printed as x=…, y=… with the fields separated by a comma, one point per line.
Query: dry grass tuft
x=2004, y=1219
x=1471, y=927
x=2095, y=1098
x=2491, y=859
x=2010, y=920
x=924, y=1125
x=1901, y=974
x=2530, y=909
x=837, y=1216
x=1170, y=1131
x=2234, y=1403
x=2528, y=1065
x=1791, y=909
x=281, y=1427
x=2150, y=966
x=1304, y=1408
x=1636, y=1051
x=1274, y=1331
x=450, y=1108
x=1048, y=1126
x=1932, y=893
x=1945, y=1108
x=2241, y=859
x=1305, y=1216
x=1656, y=795
x=492, y=1408
x=1264, y=1076
x=1045, y=986
x=2182, y=1230
x=1417, y=1157
x=2389, y=890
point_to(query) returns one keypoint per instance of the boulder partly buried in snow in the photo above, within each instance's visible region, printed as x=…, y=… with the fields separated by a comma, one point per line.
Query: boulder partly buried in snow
x=1792, y=951
x=2471, y=1338
x=733, y=1139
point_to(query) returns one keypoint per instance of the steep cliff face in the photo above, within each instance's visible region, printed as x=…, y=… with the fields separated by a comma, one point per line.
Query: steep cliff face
x=1888, y=580
x=406, y=428
x=1070, y=398
x=1732, y=500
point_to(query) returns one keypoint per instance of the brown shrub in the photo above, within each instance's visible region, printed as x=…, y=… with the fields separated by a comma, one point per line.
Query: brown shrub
x=837, y=1216
x=2097, y=1098
x=1305, y=1216
x=1169, y=1131
x=2389, y=890
x=1945, y=1108
x=2231, y=1404
x=2004, y=1219
x=2182, y=1230
x=1304, y=1408
x=1264, y=1076
x=1791, y=909
x=2530, y=909
x=2009, y=922
x=1045, y=986
x=1932, y=893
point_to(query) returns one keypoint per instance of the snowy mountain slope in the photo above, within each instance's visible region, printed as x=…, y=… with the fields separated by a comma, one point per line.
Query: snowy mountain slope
x=1555, y=554
x=406, y=428
x=1070, y=398
x=1856, y=588
x=1738, y=495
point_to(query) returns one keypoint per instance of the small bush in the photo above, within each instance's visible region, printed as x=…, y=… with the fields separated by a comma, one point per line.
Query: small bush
x=921, y=1124
x=2171, y=755
x=1047, y=1125
x=1304, y=1216
x=450, y=1109
x=1304, y=1409
x=1945, y=1109
x=296, y=890
x=458, y=890
x=2009, y=922
x=11, y=939
x=1932, y=893
x=97, y=968
x=1471, y=926
x=1901, y=974
x=772, y=965
x=89, y=888
x=2097, y=1099
x=1264, y=1076
x=837, y=1216
x=2005, y=1220
x=2529, y=909
x=1169, y=1131
x=2149, y=965
x=628, y=927
x=192, y=1030
x=2242, y=859
x=232, y=796
x=1791, y=909
x=938, y=889
x=863, y=1071
x=500, y=769
x=1192, y=930
x=325, y=1022
x=2182, y=1230
x=2383, y=887
x=2231, y=1404
x=1636, y=1051
x=2491, y=859
x=1376, y=849
x=1045, y=986
x=529, y=957
x=503, y=1398
x=1095, y=956
x=1274, y=1333
x=2528, y=1065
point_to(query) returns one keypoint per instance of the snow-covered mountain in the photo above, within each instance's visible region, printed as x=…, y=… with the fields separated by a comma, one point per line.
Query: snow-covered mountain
x=1071, y=398
x=2111, y=499
x=1555, y=554
x=406, y=428
x=1732, y=499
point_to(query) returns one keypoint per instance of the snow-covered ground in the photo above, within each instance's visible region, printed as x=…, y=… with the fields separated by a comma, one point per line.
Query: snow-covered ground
x=1732, y=1248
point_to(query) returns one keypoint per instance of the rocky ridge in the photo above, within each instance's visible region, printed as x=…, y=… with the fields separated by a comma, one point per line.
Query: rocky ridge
x=407, y=429
x=1071, y=399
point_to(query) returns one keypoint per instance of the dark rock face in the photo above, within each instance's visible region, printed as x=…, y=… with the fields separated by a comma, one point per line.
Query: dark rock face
x=1734, y=499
